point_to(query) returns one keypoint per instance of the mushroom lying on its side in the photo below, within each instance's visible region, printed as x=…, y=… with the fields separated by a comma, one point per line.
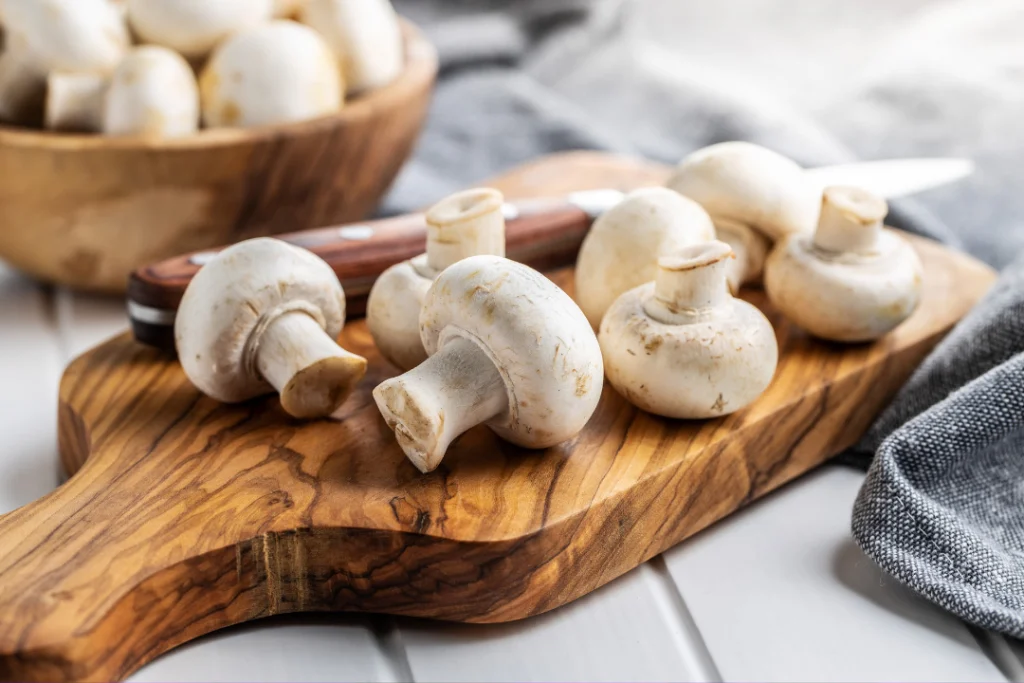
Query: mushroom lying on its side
x=277, y=72
x=622, y=248
x=79, y=36
x=754, y=195
x=192, y=28
x=263, y=316
x=853, y=280
x=508, y=348
x=364, y=34
x=682, y=346
x=468, y=223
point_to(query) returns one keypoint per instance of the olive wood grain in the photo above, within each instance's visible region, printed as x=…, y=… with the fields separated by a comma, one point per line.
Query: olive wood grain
x=87, y=210
x=185, y=515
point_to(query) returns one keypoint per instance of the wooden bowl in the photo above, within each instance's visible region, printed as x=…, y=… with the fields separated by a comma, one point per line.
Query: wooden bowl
x=86, y=210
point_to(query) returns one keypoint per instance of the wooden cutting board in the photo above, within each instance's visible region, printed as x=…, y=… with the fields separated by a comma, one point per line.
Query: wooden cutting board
x=184, y=515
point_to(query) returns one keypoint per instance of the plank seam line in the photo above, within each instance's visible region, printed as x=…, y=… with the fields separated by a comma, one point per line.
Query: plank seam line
x=698, y=656
x=389, y=640
x=997, y=648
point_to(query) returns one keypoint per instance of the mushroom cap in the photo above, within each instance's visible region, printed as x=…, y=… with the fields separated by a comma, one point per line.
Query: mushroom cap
x=153, y=92
x=750, y=184
x=194, y=27
x=716, y=362
x=621, y=250
x=244, y=288
x=68, y=35
x=844, y=296
x=393, y=312
x=276, y=72
x=537, y=337
x=364, y=34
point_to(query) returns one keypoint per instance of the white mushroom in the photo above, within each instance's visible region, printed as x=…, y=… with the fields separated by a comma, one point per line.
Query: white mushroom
x=465, y=224
x=745, y=186
x=853, y=280
x=263, y=316
x=41, y=36
x=364, y=34
x=622, y=248
x=277, y=72
x=153, y=93
x=193, y=28
x=682, y=346
x=508, y=348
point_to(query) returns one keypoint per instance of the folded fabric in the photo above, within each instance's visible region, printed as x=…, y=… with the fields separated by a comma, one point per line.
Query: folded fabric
x=942, y=507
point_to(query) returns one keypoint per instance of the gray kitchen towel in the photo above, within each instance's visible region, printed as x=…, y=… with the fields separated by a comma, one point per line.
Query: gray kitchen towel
x=942, y=507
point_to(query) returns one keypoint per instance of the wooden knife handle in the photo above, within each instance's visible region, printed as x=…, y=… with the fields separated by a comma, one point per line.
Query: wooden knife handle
x=543, y=233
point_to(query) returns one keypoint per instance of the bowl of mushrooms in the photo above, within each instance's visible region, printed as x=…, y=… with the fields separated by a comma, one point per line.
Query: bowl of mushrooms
x=132, y=131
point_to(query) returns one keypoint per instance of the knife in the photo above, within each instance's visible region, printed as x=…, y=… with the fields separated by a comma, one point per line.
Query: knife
x=542, y=233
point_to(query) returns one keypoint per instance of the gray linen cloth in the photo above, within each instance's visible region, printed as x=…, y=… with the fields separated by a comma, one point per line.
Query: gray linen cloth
x=942, y=507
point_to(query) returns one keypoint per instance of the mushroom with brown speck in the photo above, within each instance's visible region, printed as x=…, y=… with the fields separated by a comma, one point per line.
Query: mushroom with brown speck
x=265, y=337
x=853, y=280
x=478, y=369
x=696, y=371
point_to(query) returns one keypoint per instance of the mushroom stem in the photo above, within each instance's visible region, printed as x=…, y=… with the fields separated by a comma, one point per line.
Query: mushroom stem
x=428, y=407
x=74, y=101
x=851, y=220
x=750, y=247
x=690, y=282
x=465, y=224
x=309, y=370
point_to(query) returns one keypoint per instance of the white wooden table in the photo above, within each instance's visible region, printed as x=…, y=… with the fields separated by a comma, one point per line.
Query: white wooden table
x=777, y=592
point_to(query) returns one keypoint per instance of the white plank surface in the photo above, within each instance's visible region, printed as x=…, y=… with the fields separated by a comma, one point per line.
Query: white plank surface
x=781, y=592
x=30, y=366
x=1008, y=653
x=85, y=320
x=295, y=648
x=632, y=629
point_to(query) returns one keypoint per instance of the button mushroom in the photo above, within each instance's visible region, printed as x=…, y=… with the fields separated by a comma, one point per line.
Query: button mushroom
x=508, y=348
x=682, y=346
x=80, y=36
x=364, y=34
x=263, y=316
x=754, y=195
x=853, y=280
x=194, y=27
x=153, y=93
x=465, y=224
x=622, y=248
x=277, y=72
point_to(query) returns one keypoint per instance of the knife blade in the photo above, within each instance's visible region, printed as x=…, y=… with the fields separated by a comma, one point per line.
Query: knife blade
x=543, y=233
